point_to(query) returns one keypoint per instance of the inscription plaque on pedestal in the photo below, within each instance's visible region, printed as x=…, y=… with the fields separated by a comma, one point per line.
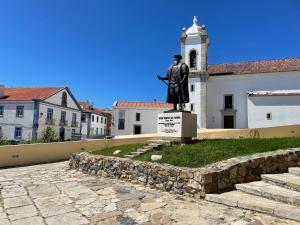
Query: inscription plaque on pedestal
x=177, y=125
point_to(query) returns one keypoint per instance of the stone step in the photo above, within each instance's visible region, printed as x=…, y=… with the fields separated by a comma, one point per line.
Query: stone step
x=142, y=150
x=294, y=171
x=155, y=145
x=136, y=153
x=148, y=147
x=129, y=156
x=256, y=203
x=270, y=191
x=159, y=141
x=285, y=180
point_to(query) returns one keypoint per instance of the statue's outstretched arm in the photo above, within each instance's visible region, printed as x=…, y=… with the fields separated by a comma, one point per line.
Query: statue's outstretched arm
x=162, y=78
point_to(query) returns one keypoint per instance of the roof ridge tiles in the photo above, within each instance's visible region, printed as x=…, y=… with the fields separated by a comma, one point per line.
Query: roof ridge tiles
x=253, y=61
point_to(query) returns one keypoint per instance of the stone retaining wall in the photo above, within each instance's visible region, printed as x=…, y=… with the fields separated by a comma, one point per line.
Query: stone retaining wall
x=213, y=178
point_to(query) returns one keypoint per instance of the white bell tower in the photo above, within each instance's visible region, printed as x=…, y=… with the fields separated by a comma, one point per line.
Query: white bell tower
x=194, y=45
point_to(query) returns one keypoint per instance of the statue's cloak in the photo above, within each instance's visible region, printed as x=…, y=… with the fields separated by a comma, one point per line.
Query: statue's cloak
x=181, y=70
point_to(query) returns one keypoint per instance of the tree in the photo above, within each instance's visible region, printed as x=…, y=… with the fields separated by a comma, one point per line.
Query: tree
x=48, y=135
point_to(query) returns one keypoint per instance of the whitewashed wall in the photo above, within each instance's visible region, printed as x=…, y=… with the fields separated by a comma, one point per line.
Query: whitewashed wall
x=101, y=126
x=194, y=98
x=285, y=110
x=56, y=99
x=148, y=120
x=57, y=115
x=9, y=120
x=239, y=85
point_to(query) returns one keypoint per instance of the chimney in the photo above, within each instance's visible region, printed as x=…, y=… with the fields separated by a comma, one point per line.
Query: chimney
x=2, y=88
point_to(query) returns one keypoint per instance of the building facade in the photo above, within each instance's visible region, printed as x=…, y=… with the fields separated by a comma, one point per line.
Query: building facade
x=253, y=94
x=26, y=112
x=94, y=122
x=136, y=117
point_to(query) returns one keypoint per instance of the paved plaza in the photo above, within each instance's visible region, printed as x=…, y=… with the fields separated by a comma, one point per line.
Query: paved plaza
x=52, y=194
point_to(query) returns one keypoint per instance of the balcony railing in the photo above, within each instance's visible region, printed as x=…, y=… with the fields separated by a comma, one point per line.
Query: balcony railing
x=74, y=124
x=63, y=123
x=50, y=121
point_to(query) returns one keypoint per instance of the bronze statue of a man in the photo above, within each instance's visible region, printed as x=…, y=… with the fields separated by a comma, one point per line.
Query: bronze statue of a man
x=177, y=77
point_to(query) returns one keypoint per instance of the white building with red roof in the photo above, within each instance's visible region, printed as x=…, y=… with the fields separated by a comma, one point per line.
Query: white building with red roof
x=136, y=117
x=26, y=112
x=95, y=123
x=253, y=94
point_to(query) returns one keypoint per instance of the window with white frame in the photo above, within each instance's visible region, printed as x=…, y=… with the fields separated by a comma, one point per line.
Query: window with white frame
x=63, y=116
x=228, y=101
x=74, y=117
x=137, y=117
x=18, y=132
x=83, y=118
x=49, y=113
x=20, y=111
x=121, y=124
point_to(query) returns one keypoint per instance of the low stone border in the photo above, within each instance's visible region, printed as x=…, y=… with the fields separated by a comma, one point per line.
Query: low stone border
x=216, y=177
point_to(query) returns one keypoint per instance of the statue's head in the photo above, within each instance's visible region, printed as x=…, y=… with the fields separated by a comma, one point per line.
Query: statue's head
x=177, y=59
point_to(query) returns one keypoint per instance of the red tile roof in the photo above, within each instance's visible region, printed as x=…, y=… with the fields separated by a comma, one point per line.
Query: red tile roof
x=261, y=66
x=27, y=94
x=96, y=111
x=87, y=107
x=156, y=105
x=84, y=104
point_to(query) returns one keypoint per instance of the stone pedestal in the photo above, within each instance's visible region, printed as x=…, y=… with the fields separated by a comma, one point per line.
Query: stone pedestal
x=178, y=126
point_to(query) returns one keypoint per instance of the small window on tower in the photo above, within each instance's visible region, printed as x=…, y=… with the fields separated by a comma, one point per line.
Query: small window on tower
x=269, y=116
x=193, y=59
x=192, y=87
x=192, y=107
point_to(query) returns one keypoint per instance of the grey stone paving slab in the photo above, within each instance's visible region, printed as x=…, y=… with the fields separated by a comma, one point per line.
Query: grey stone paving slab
x=54, y=205
x=4, y=222
x=29, y=221
x=3, y=215
x=13, y=192
x=21, y=212
x=16, y=201
x=43, y=190
x=67, y=219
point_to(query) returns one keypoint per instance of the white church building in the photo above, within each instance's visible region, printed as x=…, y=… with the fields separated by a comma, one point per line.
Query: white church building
x=252, y=94
x=264, y=93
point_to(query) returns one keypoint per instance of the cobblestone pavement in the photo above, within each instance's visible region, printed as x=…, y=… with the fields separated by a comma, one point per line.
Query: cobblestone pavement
x=51, y=194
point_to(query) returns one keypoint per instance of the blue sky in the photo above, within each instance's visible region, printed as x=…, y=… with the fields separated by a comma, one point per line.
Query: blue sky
x=107, y=50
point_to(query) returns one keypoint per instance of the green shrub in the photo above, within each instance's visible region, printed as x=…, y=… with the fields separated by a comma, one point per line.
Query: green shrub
x=48, y=135
x=3, y=140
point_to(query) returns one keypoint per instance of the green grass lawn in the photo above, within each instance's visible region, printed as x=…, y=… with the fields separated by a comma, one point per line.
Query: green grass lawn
x=209, y=151
x=125, y=150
